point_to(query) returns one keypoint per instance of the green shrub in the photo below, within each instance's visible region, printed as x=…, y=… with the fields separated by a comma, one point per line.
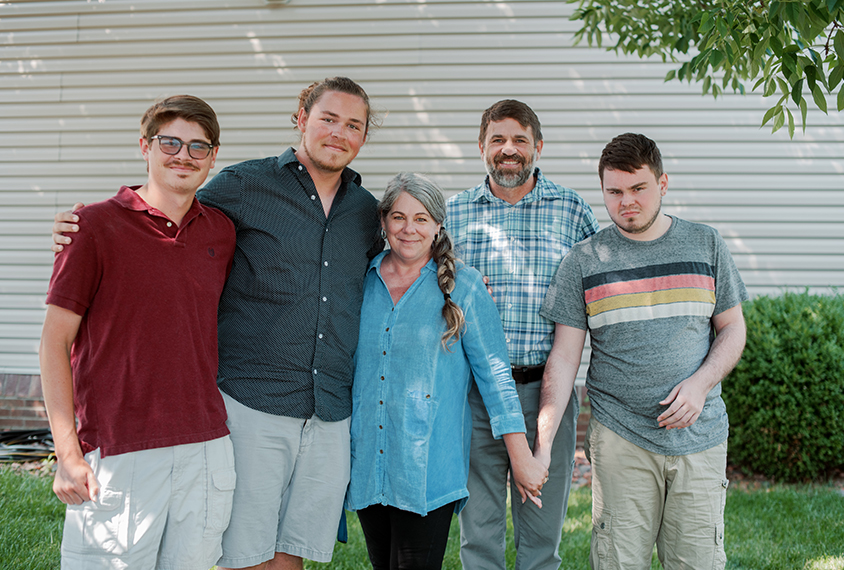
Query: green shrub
x=785, y=398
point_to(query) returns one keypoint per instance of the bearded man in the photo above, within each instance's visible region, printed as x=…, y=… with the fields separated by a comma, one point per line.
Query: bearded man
x=515, y=228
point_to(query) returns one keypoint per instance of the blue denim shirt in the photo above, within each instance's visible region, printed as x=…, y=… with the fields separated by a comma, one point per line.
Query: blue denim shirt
x=411, y=421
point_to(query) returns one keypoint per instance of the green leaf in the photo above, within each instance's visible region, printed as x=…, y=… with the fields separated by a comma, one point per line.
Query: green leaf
x=670, y=75
x=770, y=88
x=790, y=63
x=835, y=76
x=706, y=23
x=838, y=43
x=722, y=28
x=759, y=49
x=820, y=99
x=790, y=124
x=775, y=42
x=797, y=92
x=706, y=83
x=779, y=120
x=804, y=108
x=811, y=75
x=768, y=114
x=715, y=58
x=841, y=100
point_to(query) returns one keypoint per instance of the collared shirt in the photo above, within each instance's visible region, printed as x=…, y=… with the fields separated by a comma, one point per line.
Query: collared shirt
x=145, y=356
x=412, y=424
x=289, y=315
x=519, y=247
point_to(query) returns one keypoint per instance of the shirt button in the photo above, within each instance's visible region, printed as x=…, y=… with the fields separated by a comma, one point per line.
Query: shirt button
x=380, y=427
x=300, y=168
x=313, y=197
x=384, y=353
x=169, y=224
x=325, y=263
x=510, y=305
x=381, y=402
x=324, y=299
x=508, y=341
x=315, y=370
x=382, y=451
x=320, y=335
x=387, y=329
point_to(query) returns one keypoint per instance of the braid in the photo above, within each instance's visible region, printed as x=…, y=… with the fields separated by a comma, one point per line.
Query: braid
x=445, y=259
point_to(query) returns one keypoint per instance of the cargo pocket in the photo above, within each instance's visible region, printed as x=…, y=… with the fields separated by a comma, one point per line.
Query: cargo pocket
x=221, y=485
x=106, y=523
x=599, y=555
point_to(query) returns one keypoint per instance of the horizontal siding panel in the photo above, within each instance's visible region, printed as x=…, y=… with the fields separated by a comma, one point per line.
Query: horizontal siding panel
x=18, y=363
x=806, y=263
x=36, y=274
x=22, y=287
x=116, y=13
x=793, y=279
x=12, y=317
x=20, y=345
x=21, y=302
x=21, y=331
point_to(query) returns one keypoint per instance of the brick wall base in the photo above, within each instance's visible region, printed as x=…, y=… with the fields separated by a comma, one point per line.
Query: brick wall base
x=21, y=402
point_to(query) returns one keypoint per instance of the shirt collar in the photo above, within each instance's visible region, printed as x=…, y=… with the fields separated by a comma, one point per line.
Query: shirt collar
x=376, y=262
x=289, y=157
x=128, y=198
x=543, y=190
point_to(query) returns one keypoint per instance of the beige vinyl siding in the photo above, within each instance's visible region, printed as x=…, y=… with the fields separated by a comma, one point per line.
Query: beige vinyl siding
x=76, y=75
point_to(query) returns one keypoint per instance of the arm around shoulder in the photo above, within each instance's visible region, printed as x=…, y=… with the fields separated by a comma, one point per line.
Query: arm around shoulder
x=64, y=222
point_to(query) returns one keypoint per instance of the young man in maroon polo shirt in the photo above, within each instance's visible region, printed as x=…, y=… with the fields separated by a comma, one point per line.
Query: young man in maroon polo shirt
x=129, y=347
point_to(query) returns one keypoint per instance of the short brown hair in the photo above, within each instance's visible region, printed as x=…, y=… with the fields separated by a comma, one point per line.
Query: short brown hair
x=630, y=152
x=311, y=94
x=187, y=107
x=511, y=109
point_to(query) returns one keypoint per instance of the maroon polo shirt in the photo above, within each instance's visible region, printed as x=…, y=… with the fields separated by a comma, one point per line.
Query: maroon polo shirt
x=145, y=357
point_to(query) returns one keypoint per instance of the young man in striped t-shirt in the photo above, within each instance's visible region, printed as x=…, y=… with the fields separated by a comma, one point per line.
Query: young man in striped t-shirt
x=661, y=298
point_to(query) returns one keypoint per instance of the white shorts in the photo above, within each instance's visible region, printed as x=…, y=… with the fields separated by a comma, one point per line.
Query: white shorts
x=163, y=508
x=292, y=478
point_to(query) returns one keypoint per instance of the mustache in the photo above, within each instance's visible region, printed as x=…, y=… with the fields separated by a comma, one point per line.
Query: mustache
x=498, y=158
x=181, y=163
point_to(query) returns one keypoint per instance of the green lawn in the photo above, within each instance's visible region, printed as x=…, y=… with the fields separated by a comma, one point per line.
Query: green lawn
x=774, y=527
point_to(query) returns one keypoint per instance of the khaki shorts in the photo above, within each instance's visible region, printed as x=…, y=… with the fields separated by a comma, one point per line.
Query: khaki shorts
x=292, y=478
x=158, y=508
x=641, y=498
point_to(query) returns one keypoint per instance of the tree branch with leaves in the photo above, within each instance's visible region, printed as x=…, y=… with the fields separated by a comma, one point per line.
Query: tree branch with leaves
x=786, y=48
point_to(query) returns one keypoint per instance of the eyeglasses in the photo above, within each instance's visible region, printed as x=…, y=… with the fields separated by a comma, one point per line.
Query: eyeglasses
x=172, y=145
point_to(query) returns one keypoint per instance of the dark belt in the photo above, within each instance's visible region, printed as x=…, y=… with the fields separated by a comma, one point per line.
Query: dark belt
x=528, y=374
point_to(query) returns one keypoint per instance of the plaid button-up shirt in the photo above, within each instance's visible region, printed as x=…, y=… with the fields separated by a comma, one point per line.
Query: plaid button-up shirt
x=519, y=247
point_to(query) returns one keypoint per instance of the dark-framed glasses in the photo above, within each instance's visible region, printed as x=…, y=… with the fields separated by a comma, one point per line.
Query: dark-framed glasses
x=172, y=145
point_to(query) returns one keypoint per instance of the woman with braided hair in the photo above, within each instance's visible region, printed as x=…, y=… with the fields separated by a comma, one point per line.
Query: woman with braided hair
x=428, y=327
